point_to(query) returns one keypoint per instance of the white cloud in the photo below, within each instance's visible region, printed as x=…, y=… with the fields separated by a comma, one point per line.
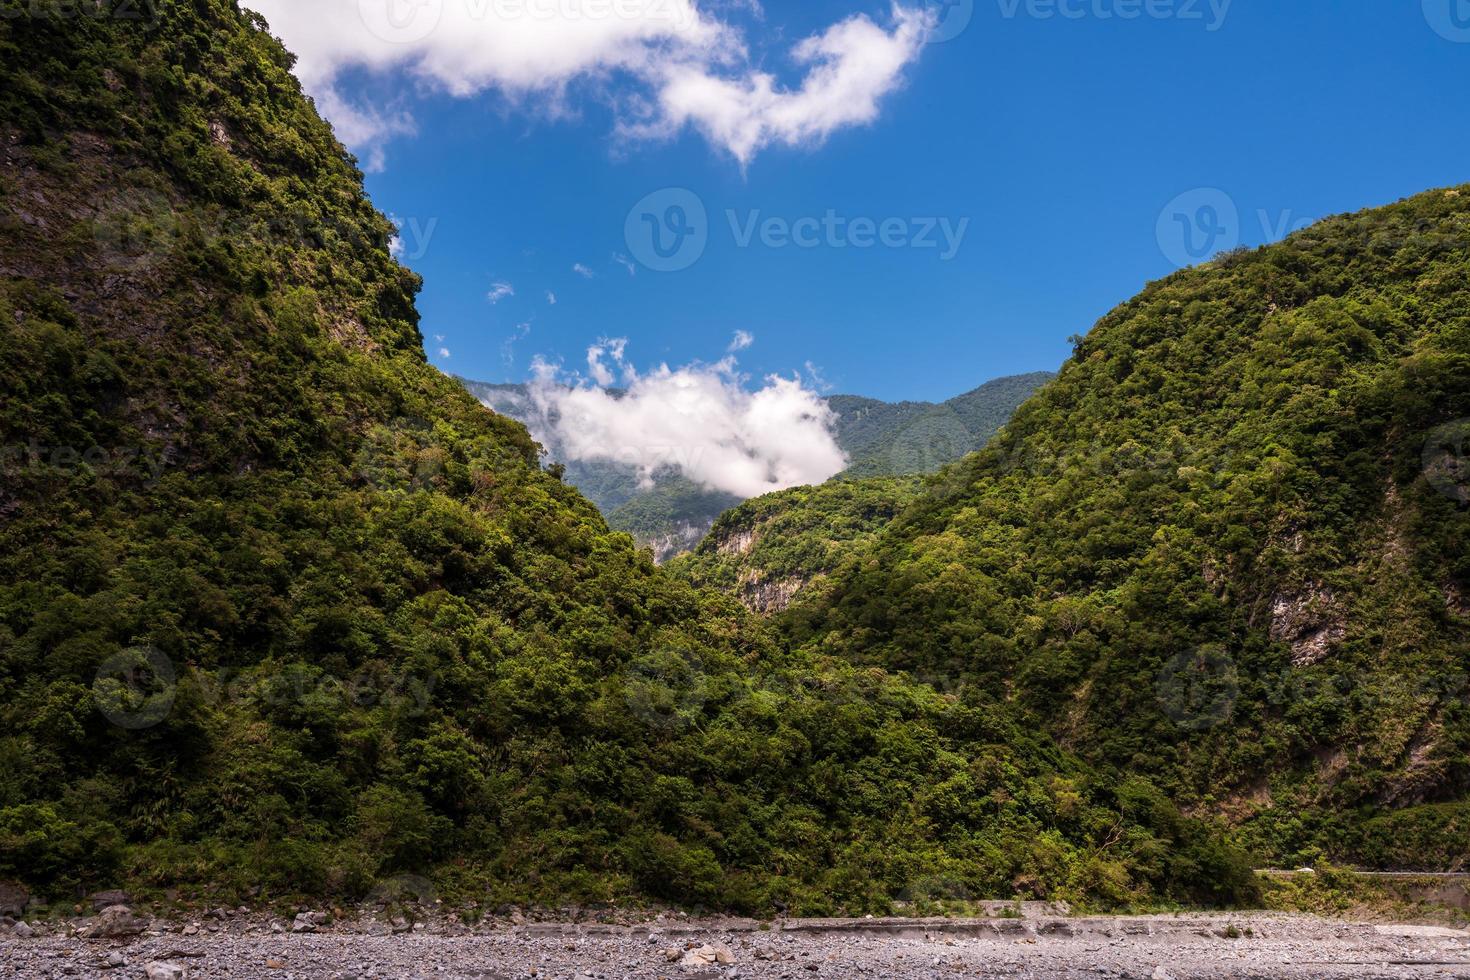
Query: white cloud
x=583, y=271
x=508, y=348
x=598, y=368
x=684, y=66
x=626, y=263
x=550, y=298
x=741, y=340
x=700, y=419
x=816, y=379
x=444, y=353
x=850, y=68
x=500, y=291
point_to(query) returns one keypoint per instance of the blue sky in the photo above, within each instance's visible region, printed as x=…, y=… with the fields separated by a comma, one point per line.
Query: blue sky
x=1054, y=143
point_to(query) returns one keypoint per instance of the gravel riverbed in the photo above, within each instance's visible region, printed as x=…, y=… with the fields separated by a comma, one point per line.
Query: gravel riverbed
x=1149, y=948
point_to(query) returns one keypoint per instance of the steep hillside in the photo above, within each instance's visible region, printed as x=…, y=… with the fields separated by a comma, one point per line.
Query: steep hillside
x=879, y=438
x=283, y=610
x=906, y=438
x=769, y=550
x=1229, y=548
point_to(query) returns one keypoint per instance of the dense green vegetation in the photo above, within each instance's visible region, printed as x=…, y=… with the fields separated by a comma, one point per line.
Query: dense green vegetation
x=768, y=549
x=285, y=611
x=1228, y=549
x=908, y=438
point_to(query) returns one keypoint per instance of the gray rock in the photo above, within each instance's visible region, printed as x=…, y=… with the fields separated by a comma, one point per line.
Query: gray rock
x=22, y=931
x=115, y=922
x=708, y=955
x=308, y=921
x=161, y=970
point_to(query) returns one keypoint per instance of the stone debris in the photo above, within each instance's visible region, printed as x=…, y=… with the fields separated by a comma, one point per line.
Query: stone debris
x=674, y=947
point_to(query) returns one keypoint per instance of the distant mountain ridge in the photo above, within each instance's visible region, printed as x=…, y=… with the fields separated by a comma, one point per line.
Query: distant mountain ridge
x=880, y=438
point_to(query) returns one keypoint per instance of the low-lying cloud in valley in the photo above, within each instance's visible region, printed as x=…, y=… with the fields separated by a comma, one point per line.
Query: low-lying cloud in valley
x=702, y=420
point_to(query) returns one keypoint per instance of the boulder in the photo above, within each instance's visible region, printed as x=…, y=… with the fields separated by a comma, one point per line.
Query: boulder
x=708, y=955
x=115, y=922
x=308, y=921
x=162, y=970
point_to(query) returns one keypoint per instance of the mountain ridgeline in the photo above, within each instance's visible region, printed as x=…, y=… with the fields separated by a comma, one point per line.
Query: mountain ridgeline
x=286, y=612
x=1228, y=549
x=879, y=438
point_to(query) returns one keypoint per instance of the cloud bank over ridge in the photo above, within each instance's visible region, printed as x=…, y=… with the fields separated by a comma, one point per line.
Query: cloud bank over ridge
x=700, y=419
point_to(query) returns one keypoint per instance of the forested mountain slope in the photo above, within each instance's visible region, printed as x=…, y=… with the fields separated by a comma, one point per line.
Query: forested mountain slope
x=1229, y=548
x=907, y=438
x=285, y=611
x=767, y=551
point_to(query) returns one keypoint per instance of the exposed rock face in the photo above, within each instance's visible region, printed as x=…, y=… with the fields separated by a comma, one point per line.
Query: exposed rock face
x=765, y=597
x=739, y=543
x=676, y=542
x=1310, y=621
